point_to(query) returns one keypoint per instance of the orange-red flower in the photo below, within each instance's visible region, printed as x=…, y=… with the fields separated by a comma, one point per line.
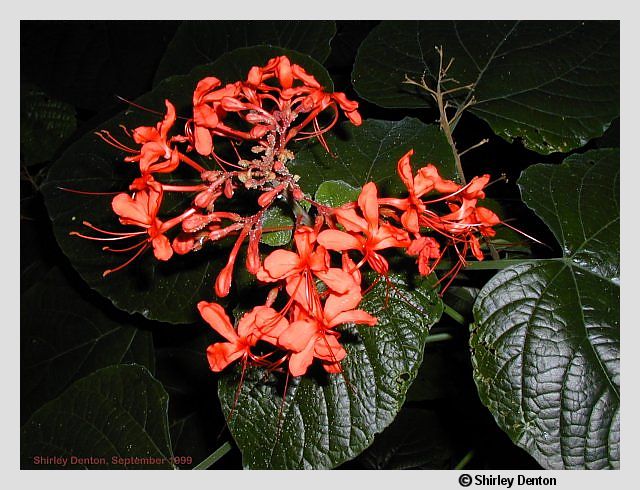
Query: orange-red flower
x=367, y=233
x=313, y=336
x=261, y=323
x=142, y=210
x=428, y=251
x=299, y=269
x=156, y=154
x=426, y=180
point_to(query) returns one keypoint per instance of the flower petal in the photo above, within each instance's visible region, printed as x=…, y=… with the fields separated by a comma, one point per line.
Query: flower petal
x=338, y=303
x=270, y=323
x=332, y=367
x=338, y=240
x=203, y=140
x=337, y=280
x=328, y=348
x=368, y=202
x=130, y=211
x=390, y=236
x=351, y=221
x=299, y=362
x=167, y=122
x=360, y=317
x=405, y=171
x=214, y=315
x=205, y=85
x=162, y=247
x=221, y=354
x=298, y=335
x=282, y=263
x=409, y=220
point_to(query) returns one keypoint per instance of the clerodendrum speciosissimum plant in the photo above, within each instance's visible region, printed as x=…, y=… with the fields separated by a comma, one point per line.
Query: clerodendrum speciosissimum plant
x=321, y=279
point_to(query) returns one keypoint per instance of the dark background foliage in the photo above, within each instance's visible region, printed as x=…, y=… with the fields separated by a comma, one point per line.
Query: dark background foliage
x=87, y=65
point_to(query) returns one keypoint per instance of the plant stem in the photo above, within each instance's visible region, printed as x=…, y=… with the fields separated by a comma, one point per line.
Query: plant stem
x=438, y=337
x=496, y=264
x=214, y=457
x=464, y=461
x=453, y=314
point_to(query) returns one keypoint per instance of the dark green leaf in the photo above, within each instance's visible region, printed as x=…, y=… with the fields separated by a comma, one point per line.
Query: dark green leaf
x=44, y=125
x=275, y=217
x=507, y=242
x=611, y=137
x=546, y=344
x=370, y=152
x=335, y=193
x=201, y=41
x=328, y=419
x=117, y=412
x=65, y=337
x=461, y=299
x=417, y=439
x=160, y=291
x=553, y=84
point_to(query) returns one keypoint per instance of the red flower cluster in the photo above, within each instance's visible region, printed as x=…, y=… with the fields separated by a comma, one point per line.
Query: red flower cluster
x=276, y=104
x=269, y=114
x=305, y=328
x=283, y=109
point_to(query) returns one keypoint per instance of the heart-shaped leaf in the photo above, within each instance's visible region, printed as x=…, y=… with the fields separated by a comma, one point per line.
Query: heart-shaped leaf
x=107, y=420
x=166, y=291
x=370, y=152
x=553, y=84
x=325, y=420
x=546, y=344
x=197, y=42
x=65, y=337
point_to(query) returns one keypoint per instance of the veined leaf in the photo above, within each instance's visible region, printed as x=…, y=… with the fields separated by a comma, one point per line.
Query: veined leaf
x=197, y=42
x=65, y=337
x=546, y=344
x=325, y=420
x=553, y=84
x=370, y=152
x=113, y=416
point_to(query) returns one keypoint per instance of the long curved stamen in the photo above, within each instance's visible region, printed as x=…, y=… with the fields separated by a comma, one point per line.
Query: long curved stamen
x=319, y=131
x=191, y=163
x=128, y=249
x=88, y=193
x=106, y=136
x=221, y=161
x=237, y=394
x=105, y=239
x=523, y=233
x=449, y=196
x=146, y=109
x=185, y=188
x=107, y=232
x=122, y=266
